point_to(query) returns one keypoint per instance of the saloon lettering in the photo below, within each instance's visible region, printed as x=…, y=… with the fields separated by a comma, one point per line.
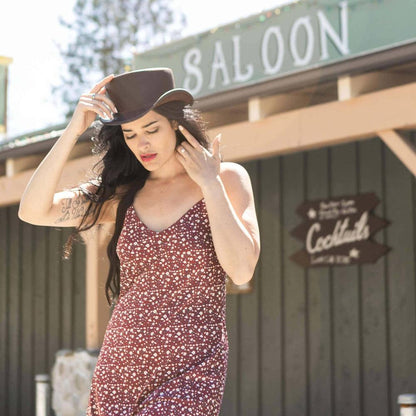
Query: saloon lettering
x=272, y=52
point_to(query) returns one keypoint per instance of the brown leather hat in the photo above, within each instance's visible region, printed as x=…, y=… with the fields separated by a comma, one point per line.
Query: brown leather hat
x=137, y=92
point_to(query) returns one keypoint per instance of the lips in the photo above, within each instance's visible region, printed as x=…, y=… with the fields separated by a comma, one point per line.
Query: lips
x=148, y=156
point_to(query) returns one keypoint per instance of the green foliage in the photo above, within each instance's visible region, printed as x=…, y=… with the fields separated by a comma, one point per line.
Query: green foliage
x=106, y=34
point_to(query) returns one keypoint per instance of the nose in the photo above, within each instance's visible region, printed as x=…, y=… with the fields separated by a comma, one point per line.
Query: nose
x=143, y=142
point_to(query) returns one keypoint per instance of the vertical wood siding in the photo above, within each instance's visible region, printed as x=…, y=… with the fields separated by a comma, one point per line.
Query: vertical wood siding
x=306, y=342
x=42, y=306
x=330, y=341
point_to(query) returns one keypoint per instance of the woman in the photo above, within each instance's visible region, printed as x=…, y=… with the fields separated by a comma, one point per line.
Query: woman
x=184, y=220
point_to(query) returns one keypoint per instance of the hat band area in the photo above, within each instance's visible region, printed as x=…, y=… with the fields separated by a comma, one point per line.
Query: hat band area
x=134, y=113
x=124, y=117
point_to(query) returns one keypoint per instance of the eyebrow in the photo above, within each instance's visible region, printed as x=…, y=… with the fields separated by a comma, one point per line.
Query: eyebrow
x=147, y=125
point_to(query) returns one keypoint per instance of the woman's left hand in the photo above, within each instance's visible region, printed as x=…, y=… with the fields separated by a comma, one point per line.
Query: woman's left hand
x=202, y=165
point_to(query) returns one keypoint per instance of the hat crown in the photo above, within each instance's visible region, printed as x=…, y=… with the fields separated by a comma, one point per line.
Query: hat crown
x=137, y=90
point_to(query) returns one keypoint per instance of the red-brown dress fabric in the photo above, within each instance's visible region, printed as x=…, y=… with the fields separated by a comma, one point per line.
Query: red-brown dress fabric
x=165, y=349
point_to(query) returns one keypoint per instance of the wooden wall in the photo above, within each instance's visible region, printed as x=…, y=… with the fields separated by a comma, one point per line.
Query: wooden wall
x=327, y=341
x=324, y=341
x=42, y=306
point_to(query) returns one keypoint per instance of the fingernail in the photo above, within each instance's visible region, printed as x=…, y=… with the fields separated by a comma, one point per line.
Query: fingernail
x=180, y=128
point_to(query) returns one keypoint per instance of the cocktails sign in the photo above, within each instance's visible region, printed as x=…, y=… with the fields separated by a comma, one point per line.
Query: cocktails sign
x=338, y=231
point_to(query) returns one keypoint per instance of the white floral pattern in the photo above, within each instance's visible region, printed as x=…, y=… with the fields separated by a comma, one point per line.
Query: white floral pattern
x=165, y=349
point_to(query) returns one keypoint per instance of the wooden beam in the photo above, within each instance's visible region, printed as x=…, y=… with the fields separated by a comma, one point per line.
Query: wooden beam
x=97, y=310
x=345, y=88
x=12, y=188
x=254, y=109
x=80, y=150
x=5, y=60
x=14, y=166
x=320, y=125
x=262, y=107
x=353, y=86
x=401, y=147
x=293, y=131
x=228, y=115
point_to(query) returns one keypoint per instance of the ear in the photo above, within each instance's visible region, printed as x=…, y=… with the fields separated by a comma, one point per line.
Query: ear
x=174, y=124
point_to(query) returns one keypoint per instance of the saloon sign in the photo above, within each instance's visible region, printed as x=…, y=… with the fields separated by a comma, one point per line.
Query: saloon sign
x=338, y=231
x=291, y=38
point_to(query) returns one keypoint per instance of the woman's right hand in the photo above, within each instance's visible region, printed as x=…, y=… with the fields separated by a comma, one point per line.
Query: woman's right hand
x=88, y=108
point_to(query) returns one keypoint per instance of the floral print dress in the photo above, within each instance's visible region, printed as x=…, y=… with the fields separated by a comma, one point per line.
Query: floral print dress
x=165, y=349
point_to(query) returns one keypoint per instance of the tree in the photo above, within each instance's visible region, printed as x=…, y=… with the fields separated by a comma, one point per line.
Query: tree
x=107, y=33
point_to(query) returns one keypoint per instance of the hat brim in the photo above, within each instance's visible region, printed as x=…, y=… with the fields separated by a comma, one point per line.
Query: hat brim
x=176, y=94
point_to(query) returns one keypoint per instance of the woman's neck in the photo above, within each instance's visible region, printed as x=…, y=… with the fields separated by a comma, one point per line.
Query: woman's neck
x=169, y=172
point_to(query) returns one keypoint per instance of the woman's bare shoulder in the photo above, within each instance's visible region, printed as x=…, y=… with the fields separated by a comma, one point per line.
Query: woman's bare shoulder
x=238, y=185
x=233, y=169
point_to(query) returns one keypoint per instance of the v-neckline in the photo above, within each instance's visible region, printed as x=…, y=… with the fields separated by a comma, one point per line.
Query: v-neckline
x=170, y=226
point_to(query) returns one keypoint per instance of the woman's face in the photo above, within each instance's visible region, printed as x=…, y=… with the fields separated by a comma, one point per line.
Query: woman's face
x=152, y=139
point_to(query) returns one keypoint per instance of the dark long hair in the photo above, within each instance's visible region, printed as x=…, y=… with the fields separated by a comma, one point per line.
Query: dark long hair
x=119, y=175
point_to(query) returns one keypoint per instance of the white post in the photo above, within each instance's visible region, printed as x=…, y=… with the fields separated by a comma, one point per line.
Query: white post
x=42, y=394
x=407, y=404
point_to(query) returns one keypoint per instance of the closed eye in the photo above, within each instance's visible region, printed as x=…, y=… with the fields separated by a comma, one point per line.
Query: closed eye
x=149, y=132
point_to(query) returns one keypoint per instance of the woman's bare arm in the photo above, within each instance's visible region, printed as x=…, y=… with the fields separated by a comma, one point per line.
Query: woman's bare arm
x=40, y=205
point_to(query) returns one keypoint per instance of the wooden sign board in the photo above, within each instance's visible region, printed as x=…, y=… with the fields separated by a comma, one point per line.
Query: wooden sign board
x=338, y=231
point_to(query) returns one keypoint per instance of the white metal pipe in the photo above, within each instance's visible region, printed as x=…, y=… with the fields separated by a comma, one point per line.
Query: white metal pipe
x=42, y=394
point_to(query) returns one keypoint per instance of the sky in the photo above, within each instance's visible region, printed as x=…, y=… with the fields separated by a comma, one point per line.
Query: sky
x=27, y=33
